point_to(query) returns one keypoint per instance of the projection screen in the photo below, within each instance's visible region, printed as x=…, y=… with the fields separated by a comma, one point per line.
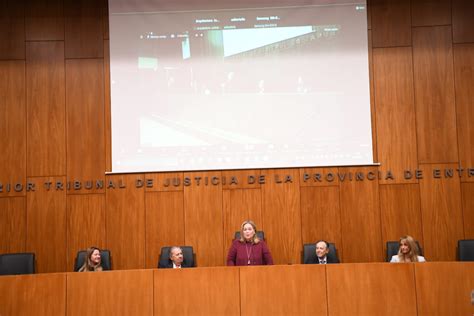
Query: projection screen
x=239, y=87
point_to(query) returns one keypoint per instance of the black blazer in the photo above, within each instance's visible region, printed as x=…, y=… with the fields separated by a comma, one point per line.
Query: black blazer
x=329, y=259
x=169, y=265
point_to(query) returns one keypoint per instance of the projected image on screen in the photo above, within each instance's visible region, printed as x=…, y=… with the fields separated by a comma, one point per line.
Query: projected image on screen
x=241, y=88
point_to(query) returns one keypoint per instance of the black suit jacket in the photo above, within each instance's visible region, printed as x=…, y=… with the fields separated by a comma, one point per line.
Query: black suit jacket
x=169, y=265
x=329, y=259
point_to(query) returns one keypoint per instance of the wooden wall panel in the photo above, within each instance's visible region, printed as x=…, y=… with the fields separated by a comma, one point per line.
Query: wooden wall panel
x=395, y=119
x=441, y=212
x=164, y=218
x=85, y=120
x=241, y=179
x=371, y=289
x=240, y=205
x=218, y=290
x=464, y=75
x=463, y=24
x=322, y=177
x=289, y=290
x=33, y=295
x=12, y=29
x=46, y=224
x=84, y=29
x=430, y=12
x=400, y=212
x=46, y=110
x=391, y=25
x=321, y=216
x=12, y=126
x=467, y=190
x=203, y=218
x=444, y=288
x=105, y=18
x=164, y=182
x=12, y=224
x=434, y=95
x=360, y=217
x=282, y=215
x=125, y=221
x=125, y=293
x=373, y=112
x=85, y=224
x=44, y=20
x=107, y=108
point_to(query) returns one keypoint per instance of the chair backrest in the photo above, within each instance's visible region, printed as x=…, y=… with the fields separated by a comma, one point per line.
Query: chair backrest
x=189, y=260
x=466, y=250
x=17, y=263
x=392, y=249
x=309, y=254
x=104, y=257
x=260, y=235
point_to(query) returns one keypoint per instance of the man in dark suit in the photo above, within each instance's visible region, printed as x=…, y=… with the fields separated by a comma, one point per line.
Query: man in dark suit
x=176, y=259
x=322, y=251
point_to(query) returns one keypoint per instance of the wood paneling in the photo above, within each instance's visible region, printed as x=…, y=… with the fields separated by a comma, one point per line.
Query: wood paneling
x=401, y=212
x=463, y=23
x=444, y=288
x=391, y=25
x=125, y=221
x=241, y=179
x=107, y=108
x=105, y=18
x=164, y=218
x=85, y=224
x=371, y=289
x=373, y=112
x=175, y=291
x=46, y=224
x=46, y=110
x=282, y=215
x=84, y=29
x=110, y=293
x=12, y=126
x=85, y=121
x=464, y=76
x=164, y=182
x=12, y=29
x=395, y=119
x=12, y=225
x=33, y=295
x=203, y=218
x=468, y=209
x=44, y=20
x=289, y=290
x=321, y=216
x=430, y=12
x=434, y=95
x=238, y=206
x=360, y=217
x=441, y=213
x=323, y=177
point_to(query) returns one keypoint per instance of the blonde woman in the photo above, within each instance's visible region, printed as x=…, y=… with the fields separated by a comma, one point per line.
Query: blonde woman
x=408, y=251
x=93, y=260
x=249, y=250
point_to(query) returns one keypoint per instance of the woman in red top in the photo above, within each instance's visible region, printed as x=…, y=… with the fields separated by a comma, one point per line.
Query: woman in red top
x=249, y=250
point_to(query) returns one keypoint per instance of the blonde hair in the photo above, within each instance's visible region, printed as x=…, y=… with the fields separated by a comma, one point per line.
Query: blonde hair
x=255, y=239
x=88, y=264
x=412, y=255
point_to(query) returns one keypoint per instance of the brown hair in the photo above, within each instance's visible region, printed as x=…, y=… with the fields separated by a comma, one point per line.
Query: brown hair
x=88, y=264
x=412, y=255
x=255, y=239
